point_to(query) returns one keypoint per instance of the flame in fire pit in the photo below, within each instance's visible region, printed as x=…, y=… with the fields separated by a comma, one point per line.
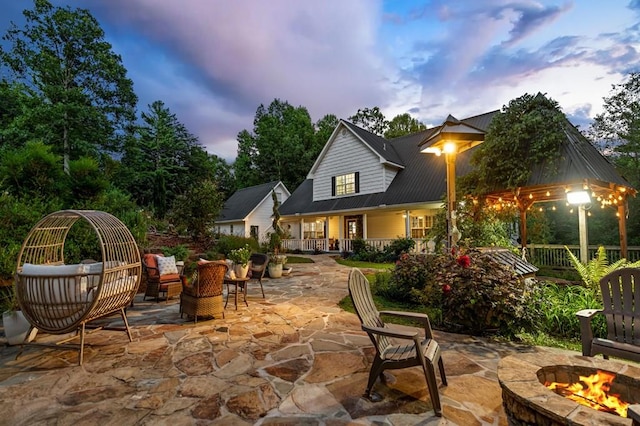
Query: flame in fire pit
x=593, y=391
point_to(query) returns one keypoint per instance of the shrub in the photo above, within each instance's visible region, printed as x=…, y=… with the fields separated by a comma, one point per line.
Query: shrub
x=412, y=280
x=397, y=247
x=226, y=243
x=364, y=252
x=181, y=252
x=481, y=295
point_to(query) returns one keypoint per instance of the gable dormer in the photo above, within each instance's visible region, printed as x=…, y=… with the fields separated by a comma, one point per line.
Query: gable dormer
x=353, y=162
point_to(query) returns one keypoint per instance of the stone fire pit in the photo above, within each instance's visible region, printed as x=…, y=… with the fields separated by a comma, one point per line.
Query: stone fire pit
x=528, y=402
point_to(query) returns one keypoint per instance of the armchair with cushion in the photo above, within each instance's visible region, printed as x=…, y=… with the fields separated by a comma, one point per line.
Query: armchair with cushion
x=202, y=297
x=163, y=276
x=259, y=262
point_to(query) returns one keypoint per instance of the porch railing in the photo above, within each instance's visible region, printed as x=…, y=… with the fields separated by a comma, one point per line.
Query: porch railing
x=548, y=255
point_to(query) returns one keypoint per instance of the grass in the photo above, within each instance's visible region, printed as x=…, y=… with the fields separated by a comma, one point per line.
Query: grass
x=364, y=265
x=298, y=259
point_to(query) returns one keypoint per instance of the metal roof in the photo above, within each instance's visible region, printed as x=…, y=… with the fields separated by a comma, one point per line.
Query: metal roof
x=423, y=179
x=244, y=201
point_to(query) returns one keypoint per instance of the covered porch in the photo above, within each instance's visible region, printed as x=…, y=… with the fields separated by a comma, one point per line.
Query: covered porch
x=335, y=231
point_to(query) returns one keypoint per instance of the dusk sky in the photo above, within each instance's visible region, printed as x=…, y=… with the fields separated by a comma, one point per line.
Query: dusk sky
x=213, y=62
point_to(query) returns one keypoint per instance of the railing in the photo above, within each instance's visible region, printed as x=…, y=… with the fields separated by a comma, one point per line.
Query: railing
x=320, y=244
x=548, y=255
x=555, y=256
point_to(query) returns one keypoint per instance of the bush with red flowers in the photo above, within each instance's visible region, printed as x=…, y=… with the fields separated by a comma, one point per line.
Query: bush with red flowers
x=475, y=293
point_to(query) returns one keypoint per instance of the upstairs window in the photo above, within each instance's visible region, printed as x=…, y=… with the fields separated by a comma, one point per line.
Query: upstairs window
x=345, y=184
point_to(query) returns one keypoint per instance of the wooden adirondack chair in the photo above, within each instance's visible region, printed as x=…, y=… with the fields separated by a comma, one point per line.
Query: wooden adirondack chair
x=423, y=350
x=621, y=300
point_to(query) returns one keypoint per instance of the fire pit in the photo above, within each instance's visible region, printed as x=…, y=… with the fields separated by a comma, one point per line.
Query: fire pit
x=527, y=401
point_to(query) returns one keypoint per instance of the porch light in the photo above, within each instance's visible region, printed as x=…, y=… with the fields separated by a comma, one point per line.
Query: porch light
x=451, y=138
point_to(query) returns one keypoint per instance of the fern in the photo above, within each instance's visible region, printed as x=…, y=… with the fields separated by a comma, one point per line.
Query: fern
x=598, y=267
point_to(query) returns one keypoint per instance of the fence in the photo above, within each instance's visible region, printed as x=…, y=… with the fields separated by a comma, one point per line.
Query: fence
x=555, y=256
x=547, y=255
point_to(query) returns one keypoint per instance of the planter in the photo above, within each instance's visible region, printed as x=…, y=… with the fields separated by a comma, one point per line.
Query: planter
x=275, y=270
x=16, y=327
x=241, y=271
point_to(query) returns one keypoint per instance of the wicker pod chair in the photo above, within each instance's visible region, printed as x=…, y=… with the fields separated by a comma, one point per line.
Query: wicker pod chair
x=203, y=296
x=59, y=299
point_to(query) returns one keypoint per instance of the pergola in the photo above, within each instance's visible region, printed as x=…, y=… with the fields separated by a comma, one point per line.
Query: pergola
x=580, y=167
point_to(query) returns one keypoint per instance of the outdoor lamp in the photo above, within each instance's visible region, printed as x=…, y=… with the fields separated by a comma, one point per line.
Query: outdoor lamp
x=578, y=197
x=451, y=138
x=581, y=198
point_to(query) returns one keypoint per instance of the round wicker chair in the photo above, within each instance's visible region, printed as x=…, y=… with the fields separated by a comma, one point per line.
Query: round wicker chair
x=57, y=298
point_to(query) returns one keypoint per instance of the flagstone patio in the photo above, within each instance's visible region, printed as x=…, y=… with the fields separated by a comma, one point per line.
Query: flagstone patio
x=294, y=358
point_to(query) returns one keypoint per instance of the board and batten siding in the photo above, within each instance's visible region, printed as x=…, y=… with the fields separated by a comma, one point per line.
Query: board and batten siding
x=347, y=154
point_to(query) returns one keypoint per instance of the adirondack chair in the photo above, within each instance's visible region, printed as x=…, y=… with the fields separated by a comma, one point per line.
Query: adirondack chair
x=423, y=351
x=621, y=300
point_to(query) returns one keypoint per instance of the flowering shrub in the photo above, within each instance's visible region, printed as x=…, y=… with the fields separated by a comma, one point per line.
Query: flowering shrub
x=241, y=256
x=475, y=293
x=479, y=294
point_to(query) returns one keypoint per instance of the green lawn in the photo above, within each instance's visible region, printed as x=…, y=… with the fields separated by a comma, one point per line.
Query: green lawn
x=298, y=259
x=365, y=265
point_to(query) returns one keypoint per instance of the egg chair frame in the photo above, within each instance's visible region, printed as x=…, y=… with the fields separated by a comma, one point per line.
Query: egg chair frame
x=58, y=299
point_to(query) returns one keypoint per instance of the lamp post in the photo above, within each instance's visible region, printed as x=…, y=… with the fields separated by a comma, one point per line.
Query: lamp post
x=452, y=138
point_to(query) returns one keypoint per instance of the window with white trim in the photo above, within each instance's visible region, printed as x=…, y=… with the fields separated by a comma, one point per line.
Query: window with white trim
x=345, y=184
x=420, y=225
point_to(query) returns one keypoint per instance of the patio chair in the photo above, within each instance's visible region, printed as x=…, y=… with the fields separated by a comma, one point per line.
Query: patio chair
x=160, y=280
x=203, y=296
x=259, y=262
x=621, y=308
x=424, y=351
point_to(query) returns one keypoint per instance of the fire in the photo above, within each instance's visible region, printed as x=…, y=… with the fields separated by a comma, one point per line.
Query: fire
x=593, y=391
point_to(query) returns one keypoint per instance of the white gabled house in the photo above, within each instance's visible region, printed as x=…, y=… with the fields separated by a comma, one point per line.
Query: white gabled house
x=249, y=211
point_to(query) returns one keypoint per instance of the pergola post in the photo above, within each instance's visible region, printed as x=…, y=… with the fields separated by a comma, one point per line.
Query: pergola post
x=622, y=227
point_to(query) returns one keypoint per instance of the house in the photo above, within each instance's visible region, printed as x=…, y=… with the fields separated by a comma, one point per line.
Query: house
x=249, y=211
x=365, y=186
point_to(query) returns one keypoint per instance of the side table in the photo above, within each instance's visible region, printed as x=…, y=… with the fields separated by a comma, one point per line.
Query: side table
x=240, y=284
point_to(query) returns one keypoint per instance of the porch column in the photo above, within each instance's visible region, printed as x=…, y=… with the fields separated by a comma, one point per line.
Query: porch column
x=407, y=223
x=326, y=233
x=364, y=226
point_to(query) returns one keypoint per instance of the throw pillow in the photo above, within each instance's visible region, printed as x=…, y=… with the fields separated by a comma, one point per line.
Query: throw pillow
x=166, y=265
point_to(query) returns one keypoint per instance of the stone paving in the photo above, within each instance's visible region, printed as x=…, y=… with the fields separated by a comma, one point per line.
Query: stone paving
x=294, y=358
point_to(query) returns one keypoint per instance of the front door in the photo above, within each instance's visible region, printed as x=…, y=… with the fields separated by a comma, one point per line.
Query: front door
x=353, y=226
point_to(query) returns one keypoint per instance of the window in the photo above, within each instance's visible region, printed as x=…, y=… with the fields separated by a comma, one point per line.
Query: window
x=345, y=184
x=420, y=225
x=254, y=232
x=313, y=230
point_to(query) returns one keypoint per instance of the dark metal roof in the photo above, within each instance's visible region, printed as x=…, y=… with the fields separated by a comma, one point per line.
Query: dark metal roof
x=244, y=200
x=423, y=179
x=379, y=144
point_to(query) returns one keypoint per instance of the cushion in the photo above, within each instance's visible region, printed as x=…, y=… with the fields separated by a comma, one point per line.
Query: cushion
x=66, y=285
x=52, y=270
x=167, y=265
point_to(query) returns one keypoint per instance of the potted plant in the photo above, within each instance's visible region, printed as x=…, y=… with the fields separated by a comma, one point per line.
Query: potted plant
x=16, y=327
x=276, y=264
x=240, y=258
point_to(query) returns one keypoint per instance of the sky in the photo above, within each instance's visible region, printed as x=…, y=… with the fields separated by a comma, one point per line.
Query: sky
x=214, y=62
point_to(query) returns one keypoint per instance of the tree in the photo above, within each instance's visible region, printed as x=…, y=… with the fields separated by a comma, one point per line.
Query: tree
x=197, y=210
x=87, y=104
x=619, y=126
x=371, y=119
x=530, y=130
x=281, y=146
x=157, y=163
x=403, y=124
